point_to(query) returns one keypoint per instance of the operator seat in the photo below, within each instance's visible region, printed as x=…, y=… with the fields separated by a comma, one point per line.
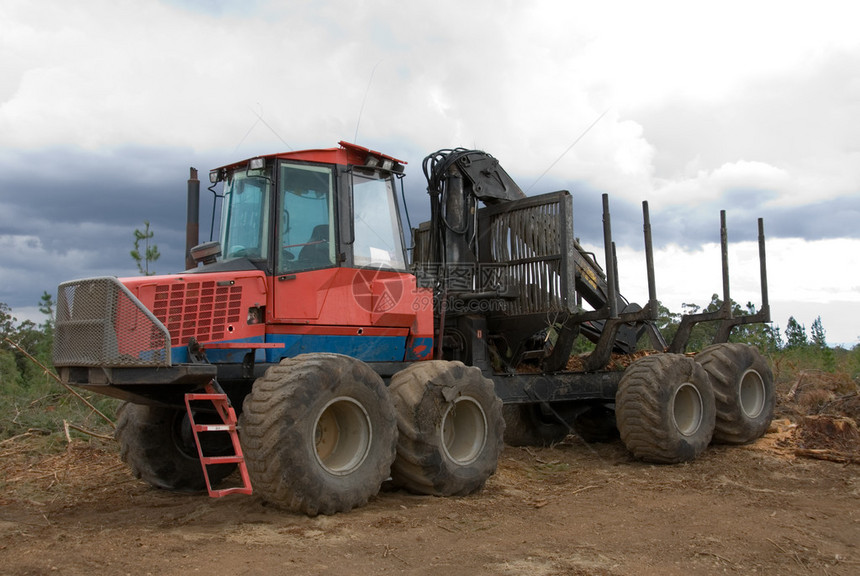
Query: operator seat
x=316, y=251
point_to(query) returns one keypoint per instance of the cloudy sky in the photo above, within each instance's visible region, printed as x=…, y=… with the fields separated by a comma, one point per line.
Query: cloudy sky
x=751, y=107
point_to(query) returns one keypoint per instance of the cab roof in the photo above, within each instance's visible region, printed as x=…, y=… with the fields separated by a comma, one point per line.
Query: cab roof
x=345, y=155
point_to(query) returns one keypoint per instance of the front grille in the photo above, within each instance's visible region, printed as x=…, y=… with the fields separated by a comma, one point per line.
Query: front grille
x=200, y=310
x=100, y=323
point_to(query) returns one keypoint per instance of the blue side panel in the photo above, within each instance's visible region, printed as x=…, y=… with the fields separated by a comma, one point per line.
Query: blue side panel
x=179, y=354
x=365, y=348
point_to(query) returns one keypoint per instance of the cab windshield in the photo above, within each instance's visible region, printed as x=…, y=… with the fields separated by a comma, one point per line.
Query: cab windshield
x=245, y=215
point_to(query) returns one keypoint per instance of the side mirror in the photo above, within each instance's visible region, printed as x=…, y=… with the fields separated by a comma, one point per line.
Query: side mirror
x=207, y=253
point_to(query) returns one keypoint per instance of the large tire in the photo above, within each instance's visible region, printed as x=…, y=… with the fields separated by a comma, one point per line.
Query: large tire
x=665, y=409
x=450, y=428
x=743, y=390
x=158, y=445
x=533, y=425
x=319, y=434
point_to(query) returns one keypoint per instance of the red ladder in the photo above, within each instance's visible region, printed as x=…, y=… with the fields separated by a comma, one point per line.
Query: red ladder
x=215, y=395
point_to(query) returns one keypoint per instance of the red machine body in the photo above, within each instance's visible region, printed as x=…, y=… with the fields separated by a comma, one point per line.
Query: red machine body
x=374, y=315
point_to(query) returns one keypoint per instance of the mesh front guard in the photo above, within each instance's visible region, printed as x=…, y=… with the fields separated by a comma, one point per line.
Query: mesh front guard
x=100, y=323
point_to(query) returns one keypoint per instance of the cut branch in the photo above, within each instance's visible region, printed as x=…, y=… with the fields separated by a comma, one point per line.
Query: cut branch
x=829, y=455
x=67, y=425
x=63, y=384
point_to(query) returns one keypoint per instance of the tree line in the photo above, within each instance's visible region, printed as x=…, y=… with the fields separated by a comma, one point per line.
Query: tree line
x=767, y=337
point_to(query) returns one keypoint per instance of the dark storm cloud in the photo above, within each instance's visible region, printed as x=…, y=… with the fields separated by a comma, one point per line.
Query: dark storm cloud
x=67, y=213
x=837, y=218
x=119, y=188
x=695, y=224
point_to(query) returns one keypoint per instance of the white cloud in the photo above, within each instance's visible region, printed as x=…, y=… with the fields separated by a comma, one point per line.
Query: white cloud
x=702, y=101
x=650, y=51
x=805, y=280
x=519, y=79
x=706, y=185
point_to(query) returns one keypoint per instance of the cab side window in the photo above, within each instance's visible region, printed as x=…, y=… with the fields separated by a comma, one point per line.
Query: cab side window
x=306, y=231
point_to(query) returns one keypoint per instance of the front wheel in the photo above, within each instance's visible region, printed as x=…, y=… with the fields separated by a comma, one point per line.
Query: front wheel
x=450, y=428
x=319, y=434
x=743, y=390
x=664, y=408
x=158, y=445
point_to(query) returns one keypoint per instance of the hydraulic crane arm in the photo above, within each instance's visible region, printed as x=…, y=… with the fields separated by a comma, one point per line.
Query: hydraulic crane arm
x=456, y=179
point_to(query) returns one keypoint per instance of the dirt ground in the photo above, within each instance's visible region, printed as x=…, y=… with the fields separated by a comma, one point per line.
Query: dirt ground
x=571, y=509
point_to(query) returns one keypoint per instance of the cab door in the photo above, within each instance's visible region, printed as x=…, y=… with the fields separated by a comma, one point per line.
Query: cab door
x=305, y=240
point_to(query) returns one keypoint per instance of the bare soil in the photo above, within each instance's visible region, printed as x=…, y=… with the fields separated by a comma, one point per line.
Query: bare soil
x=571, y=509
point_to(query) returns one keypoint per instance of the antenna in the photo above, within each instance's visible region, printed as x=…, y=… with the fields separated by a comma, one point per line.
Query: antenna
x=580, y=137
x=254, y=125
x=266, y=124
x=363, y=101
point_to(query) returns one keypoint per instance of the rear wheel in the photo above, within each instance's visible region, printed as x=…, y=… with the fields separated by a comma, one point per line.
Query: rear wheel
x=596, y=424
x=533, y=425
x=665, y=409
x=450, y=428
x=743, y=390
x=319, y=434
x=158, y=445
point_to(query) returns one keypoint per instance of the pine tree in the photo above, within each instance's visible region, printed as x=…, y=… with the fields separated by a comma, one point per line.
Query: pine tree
x=46, y=307
x=777, y=338
x=9, y=374
x=150, y=253
x=795, y=334
x=818, y=334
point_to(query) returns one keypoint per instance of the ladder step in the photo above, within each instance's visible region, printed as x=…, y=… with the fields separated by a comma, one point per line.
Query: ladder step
x=228, y=416
x=208, y=460
x=225, y=491
x=202, y=396
x=214, y=427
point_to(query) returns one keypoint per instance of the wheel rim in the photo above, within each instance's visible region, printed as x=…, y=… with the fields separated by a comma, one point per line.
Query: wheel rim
x=687, y=409
x=752, y=394
x=464, y=431
x=342, y=436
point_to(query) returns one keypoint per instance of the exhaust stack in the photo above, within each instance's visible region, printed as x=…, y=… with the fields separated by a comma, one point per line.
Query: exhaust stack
x=192, y=222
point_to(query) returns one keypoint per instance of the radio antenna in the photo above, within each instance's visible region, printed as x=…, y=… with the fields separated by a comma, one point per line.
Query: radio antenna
x=254, y=125
x=363, y=101
x=580, y=137
x=267, y=125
